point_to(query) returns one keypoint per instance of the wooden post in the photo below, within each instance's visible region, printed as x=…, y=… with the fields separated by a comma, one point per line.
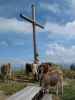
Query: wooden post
x=34, y=24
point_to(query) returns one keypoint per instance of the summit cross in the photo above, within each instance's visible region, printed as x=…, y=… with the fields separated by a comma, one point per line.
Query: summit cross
x=34, y=24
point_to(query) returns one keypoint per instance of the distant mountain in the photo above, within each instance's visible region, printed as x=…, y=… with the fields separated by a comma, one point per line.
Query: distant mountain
x=16, y=64
x=19, y=63
x=66, y=66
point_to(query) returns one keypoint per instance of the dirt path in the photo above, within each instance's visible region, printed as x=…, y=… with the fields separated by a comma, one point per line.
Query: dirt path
x=47, y=97
x=3, y=96
x=55, y=97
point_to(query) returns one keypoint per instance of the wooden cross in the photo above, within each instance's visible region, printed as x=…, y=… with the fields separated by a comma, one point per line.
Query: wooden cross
x=34, y=24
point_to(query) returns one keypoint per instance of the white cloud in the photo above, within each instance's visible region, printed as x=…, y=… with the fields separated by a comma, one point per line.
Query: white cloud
x=68, y=28
x=12, y=61
x=15, y=61
x=71, y=10
x=3, y=44
x=60, y=54
x=18, y=43
x=72, y=3
x=51, y=7
x=14, y=25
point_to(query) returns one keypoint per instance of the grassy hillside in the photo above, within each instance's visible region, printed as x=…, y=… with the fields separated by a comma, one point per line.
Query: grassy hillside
x=10, y=88
x=69, y=90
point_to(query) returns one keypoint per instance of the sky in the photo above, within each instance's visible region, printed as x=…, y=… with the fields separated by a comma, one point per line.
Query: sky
x=55, y=43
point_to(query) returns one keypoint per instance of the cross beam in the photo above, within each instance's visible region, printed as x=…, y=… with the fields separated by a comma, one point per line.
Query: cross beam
x=31, y=21
x=34, y=23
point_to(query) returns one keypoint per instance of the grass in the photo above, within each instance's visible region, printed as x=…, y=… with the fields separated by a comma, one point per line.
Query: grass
x=69, y=90
x=11, y=88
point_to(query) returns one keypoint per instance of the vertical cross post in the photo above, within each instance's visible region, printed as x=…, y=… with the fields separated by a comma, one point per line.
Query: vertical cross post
x=34, y=35
x=34, y=24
